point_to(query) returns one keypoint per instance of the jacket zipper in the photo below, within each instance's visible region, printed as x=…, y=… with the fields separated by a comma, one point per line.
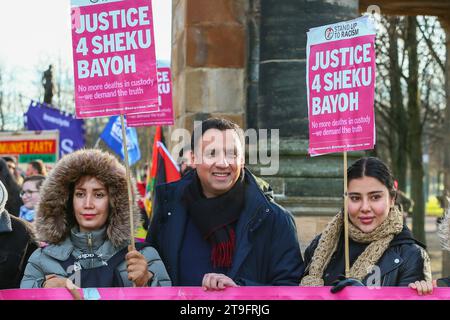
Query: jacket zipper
x=89, y=235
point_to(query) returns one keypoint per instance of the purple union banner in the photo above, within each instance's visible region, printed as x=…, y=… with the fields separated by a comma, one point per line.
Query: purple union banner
x=71, y=131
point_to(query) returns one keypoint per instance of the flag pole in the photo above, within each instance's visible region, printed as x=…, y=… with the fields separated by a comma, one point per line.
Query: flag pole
x=347, y=259
x=148, y=178
x=127, y=166
x=97, y=143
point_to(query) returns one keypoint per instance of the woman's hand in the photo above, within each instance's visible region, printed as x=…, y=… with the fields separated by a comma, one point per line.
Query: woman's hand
x=53, y=281
x=217, y=281
x=137, y=268
x=423, y=287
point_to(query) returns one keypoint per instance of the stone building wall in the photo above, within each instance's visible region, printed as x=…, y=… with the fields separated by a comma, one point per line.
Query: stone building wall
x=209, y=60
x=245, y=60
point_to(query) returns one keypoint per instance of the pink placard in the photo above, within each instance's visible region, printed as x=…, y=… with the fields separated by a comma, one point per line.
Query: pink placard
x=165, y=114
x=114, y=58
x=341, y=82
x=241, y=293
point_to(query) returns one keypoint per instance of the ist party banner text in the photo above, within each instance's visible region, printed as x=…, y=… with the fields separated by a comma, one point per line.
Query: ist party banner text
x=340, y=85
x=114, y=57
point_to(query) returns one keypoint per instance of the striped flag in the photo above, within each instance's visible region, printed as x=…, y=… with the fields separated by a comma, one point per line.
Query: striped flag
x=163, y=169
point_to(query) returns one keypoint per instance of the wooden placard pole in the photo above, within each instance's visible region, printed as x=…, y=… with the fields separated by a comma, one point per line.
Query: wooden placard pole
x=347, y=258
x=127, y=166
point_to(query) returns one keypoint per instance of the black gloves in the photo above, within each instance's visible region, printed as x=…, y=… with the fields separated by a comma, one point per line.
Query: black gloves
x=343, y=282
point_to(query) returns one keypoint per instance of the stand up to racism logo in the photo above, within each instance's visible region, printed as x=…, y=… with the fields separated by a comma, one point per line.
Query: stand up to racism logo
x=329, y=33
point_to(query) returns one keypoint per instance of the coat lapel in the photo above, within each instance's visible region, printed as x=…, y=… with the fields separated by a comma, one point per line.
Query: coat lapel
x=247, y=223
x=176, y=221
x=390, y=262
x=243, y=245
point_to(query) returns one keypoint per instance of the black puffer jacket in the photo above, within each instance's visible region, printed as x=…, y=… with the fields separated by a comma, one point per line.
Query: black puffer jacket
x=404, y=261
x=16, y=245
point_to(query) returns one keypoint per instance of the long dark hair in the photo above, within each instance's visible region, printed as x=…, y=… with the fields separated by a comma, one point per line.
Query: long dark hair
x=375, y=168
x=14, y=200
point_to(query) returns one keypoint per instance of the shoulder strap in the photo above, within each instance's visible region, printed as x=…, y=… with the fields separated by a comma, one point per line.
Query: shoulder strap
x=114, y=261
x=69, y=262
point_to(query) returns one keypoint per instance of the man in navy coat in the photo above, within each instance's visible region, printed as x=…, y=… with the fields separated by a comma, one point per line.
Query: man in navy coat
x=218, y=226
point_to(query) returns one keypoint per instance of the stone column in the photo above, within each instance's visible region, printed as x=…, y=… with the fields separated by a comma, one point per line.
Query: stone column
x=311, y=188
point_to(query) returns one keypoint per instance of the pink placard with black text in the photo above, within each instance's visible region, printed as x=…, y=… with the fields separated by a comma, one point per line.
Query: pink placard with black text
x=114, y=57
x=165, y=114
x=341, y=83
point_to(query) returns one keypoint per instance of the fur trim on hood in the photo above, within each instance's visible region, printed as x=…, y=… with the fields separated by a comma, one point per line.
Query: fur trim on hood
x=53, y=223
x=3, y=197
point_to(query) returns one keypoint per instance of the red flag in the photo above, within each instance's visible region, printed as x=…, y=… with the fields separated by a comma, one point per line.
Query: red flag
x=163, y=169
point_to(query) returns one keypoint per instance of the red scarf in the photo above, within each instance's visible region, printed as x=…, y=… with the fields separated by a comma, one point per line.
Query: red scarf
x=215, y=218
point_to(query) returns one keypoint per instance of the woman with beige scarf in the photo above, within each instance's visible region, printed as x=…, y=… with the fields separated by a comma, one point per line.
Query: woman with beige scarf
x=382, y=250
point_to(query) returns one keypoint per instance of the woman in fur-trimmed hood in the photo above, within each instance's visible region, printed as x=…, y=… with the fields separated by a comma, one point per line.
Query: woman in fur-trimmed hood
x=83, y=216
x=382, y=250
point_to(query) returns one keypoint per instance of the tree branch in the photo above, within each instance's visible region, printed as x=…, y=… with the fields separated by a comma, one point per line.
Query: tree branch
x=432, y=51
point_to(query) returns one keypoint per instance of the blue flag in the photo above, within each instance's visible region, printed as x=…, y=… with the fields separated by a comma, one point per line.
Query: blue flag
x=71, y=130
x=112, y=136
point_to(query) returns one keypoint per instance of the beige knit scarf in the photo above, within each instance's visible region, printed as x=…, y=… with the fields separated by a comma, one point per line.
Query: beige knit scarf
x=378, y=240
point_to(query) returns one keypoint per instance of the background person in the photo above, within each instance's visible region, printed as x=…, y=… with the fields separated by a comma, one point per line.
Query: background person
x=17, y=243
x=36, y=167
x=185, y=159
x=13, y=189
x=30, y=196
x=426, y=287
x=15, y=171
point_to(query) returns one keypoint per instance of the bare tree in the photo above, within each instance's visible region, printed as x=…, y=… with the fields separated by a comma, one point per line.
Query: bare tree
x=415, y=132
x=410, y=100
x=392, y=118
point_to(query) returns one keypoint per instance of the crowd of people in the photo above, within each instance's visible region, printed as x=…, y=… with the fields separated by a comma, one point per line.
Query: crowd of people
x=217, y=227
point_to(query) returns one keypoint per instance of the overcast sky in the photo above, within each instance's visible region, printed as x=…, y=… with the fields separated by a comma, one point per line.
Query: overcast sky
x=36, y=33
x=33, y=30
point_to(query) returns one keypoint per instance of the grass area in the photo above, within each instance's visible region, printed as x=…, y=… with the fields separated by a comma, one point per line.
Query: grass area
x=433, y=208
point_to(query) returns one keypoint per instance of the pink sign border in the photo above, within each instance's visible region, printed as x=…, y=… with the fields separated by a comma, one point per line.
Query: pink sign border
x=241, y=293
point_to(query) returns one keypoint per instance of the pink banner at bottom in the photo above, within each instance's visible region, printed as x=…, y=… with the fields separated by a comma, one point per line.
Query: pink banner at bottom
x=242, y=293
